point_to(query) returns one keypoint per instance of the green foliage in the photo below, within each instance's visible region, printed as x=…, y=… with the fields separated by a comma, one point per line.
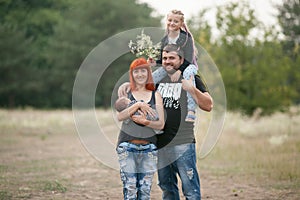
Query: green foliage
x=288, y=17
x=25, y=29
x=43, y=44
x=235, y=22
x=46, y=42
x=255, y=70
x=14, y=55
x=92, y=23
x=289, y=20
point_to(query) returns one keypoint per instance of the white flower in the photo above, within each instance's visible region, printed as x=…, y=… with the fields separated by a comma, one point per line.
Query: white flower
x=143, y=46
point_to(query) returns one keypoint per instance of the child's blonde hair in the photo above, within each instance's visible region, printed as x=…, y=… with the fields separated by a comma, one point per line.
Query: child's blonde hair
x=185, y=28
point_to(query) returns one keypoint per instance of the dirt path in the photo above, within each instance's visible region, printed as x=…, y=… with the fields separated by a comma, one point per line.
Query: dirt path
x=47, y=164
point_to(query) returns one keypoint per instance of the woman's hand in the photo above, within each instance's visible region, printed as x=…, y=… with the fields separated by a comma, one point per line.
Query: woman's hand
x=140, y=119
x=146, y=109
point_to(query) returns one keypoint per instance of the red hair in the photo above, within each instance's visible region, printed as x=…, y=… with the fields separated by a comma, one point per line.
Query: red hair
x=141, y=63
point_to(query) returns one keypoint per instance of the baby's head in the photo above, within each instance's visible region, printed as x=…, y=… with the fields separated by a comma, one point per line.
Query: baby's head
x=122, y=103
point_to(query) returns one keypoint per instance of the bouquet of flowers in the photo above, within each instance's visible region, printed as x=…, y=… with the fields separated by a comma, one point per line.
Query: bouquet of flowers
x=143, y=46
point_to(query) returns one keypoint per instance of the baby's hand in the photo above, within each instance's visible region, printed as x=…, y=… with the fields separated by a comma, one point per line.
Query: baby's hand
x=175, y=77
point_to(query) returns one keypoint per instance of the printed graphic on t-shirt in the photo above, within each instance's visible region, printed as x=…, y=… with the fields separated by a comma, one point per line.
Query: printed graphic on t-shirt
x=170, y=93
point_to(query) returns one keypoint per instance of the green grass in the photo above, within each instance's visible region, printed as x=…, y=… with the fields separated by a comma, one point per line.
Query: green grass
x=5, y=195
x=54, y=186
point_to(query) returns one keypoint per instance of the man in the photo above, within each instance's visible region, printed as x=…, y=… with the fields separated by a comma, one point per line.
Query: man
x=177, y=150
x=176, y=145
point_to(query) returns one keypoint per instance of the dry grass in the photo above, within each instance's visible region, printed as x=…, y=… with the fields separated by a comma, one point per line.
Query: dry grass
x=41, y=157
x=265, y=149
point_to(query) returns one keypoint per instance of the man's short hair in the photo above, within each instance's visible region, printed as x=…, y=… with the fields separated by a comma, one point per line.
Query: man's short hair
x=175, y=48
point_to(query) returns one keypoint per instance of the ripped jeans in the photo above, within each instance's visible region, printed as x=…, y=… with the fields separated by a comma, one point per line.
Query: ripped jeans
x=138, y=163
x=181, y=160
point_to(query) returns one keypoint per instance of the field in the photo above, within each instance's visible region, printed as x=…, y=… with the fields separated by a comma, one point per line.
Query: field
x=42, y=157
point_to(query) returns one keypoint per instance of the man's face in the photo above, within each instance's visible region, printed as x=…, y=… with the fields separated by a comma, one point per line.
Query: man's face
x=171, y=61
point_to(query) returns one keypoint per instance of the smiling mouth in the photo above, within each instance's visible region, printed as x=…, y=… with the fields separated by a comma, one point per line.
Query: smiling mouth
x=140, y=79
x=170, y=68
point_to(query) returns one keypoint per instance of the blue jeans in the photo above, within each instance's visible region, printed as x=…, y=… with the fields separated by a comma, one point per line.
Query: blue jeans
x=185, y=166
x=138, y=163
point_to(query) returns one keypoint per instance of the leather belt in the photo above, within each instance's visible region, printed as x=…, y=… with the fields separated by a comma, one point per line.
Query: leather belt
x=139, y=141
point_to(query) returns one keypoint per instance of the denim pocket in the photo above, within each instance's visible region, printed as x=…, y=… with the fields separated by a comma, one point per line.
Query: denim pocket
x=122, y=155
x=153, y=155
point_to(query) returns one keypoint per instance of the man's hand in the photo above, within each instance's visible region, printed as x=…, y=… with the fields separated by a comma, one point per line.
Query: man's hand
x=188, y=85
x=123, y=90
x=203, y=99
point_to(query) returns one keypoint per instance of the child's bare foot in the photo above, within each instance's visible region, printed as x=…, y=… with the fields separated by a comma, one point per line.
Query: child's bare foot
x=191, y=117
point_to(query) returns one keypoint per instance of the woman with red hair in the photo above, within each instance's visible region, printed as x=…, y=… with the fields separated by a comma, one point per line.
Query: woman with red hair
x=136, y=148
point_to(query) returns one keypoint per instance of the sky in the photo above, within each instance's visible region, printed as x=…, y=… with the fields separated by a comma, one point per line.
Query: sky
x=263, y=8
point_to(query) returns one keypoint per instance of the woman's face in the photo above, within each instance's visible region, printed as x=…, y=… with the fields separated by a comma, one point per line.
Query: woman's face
x=174, y=22
x=140, y=76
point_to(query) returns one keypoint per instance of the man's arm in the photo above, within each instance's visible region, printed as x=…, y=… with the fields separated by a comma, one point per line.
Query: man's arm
x=202, y=98
x=123, y=89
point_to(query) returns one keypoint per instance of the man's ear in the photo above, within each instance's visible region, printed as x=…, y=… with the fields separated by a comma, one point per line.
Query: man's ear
x=181, y=60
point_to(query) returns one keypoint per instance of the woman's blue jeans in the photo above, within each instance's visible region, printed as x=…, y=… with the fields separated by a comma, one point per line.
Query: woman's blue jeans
x=138, y=163
x=181, y=160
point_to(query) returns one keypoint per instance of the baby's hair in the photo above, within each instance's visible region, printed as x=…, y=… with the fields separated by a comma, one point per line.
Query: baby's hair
x=121, y=104
x=186, y=29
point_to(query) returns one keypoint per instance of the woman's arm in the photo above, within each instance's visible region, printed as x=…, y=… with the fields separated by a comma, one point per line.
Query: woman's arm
x=128, y=112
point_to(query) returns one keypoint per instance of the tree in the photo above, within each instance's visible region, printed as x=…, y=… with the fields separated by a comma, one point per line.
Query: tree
x=84, y=27
x=25, y=29
x=254, y=70
x=289, y=19
x=44, y=42
x=13, y=56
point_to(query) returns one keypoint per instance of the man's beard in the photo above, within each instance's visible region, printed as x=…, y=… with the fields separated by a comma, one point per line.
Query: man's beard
x=170, y=71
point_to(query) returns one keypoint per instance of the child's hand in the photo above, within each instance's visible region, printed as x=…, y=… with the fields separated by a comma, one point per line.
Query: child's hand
x=151, y=61
x=175, y=77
